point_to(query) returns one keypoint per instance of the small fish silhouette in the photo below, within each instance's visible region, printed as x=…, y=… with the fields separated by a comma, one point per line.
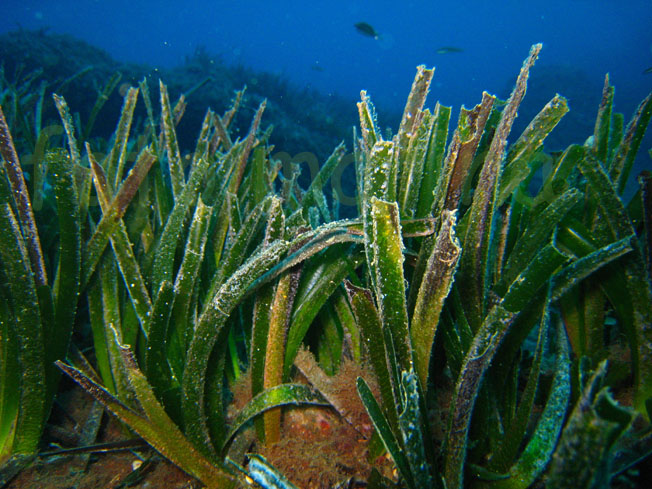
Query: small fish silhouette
x=366, y=30
x=449, y=50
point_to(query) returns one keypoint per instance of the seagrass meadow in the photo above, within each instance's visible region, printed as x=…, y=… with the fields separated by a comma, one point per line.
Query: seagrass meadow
x=484, y=321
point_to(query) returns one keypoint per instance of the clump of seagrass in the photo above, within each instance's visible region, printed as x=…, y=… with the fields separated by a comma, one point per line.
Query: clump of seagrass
x=460, y=287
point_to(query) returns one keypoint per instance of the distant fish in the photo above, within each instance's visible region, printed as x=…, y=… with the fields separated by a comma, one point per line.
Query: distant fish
x=448, y=50
x=366, y=30
x=649, y=70
x=317, y=67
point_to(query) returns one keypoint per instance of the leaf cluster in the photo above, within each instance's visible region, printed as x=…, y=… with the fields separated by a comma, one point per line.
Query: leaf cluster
x=486, y=286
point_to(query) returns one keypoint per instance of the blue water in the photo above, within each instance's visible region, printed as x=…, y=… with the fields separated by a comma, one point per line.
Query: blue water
x=315, y=44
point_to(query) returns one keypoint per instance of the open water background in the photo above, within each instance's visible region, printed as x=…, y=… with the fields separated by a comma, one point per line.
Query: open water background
x=315, y=44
